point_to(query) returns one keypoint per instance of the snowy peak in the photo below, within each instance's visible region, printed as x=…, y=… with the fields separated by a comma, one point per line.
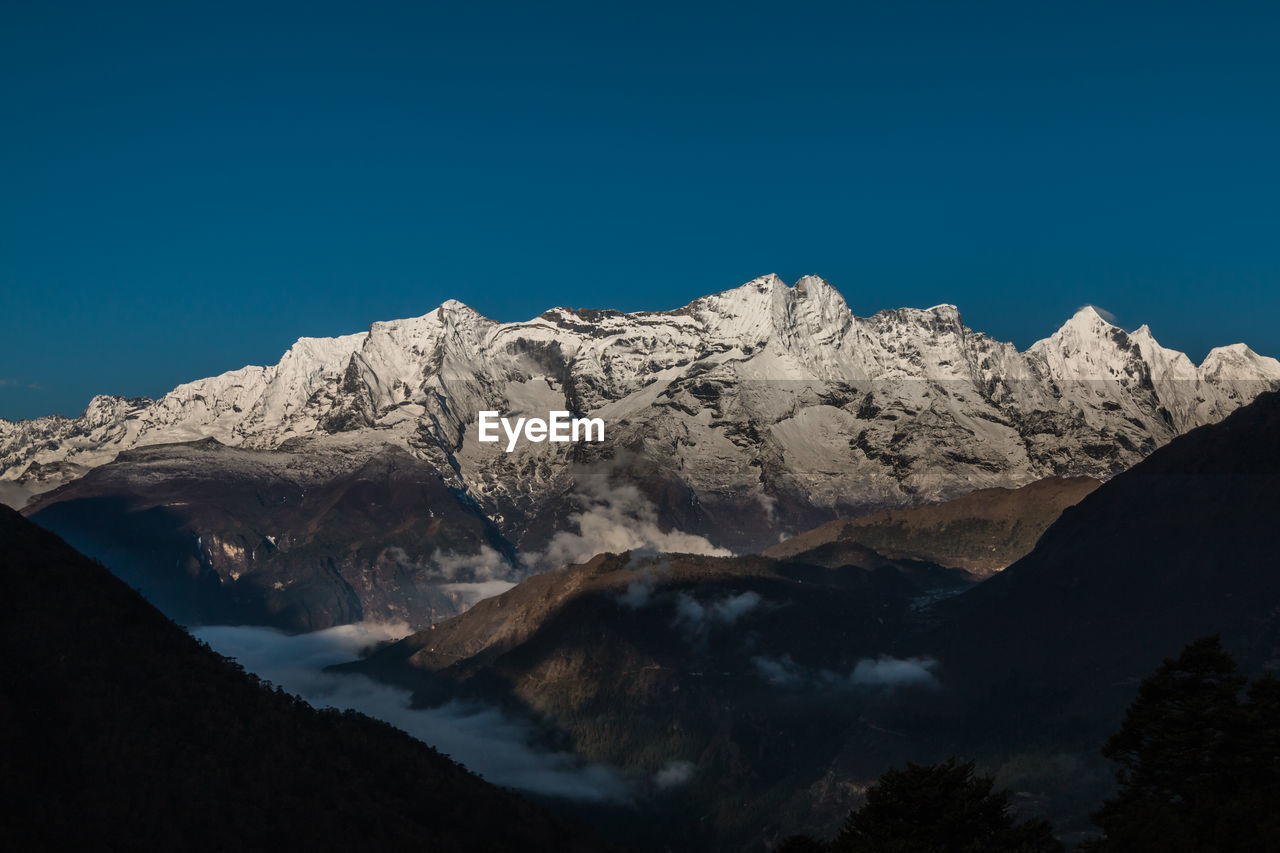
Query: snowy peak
x=1124, y=367
x=760, y=394
x=451, y=306
x=1236, y=364
x=744, y=314
x=818, y=309
x=766, y=308
x=1085, y=324
x=1088, y=348
x=1166, y=364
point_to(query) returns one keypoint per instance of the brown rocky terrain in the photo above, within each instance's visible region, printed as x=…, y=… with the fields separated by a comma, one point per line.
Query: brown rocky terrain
x=982, y=532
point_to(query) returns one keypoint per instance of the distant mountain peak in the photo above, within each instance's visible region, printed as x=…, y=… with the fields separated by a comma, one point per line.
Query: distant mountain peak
x=760, y=397
x=1238, y=362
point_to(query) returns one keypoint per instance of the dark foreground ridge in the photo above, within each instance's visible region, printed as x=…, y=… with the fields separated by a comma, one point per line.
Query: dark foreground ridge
x=1174, y=549
x=119, y=731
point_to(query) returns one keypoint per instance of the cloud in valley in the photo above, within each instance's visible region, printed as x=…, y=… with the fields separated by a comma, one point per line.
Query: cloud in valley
x=475, y=592
x=780, y=672
x=637, y=594
x=881, y=673
x=640, y=592
x=483, y=738
x=486, y=565
x=694, y=619
x=473, y=577
x=732, y=608
x=615, y=518
x=769, y=504
x=895, y=672
x=674, y=774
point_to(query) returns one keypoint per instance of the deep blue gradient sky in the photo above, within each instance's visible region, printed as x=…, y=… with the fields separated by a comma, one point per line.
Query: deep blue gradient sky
x=189, y=187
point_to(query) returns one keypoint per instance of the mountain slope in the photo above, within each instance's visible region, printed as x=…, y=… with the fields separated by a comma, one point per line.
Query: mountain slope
x=850, y=672
x=982, y=532
x=1178, y=547
x=1038, y=663
x=119, y=731
x=708, y=666
x=757, y=411
x=300, y=538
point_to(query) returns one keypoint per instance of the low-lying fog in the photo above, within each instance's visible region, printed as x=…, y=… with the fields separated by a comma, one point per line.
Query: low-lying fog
x=483, y=738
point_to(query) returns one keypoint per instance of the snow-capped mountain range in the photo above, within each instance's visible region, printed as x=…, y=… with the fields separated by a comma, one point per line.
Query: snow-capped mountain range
x=758, y=410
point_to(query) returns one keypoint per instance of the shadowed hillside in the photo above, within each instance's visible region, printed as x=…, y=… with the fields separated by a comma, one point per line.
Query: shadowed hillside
x=301, y=538
x=1178, y=547
x=118, y=731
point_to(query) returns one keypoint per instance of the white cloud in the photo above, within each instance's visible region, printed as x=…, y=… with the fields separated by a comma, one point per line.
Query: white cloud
x=1103, y=313
x=731, y=609
x=770, y=506
x=674, y=774
x=695, y=619
x=637, y=594
x=485, y=565
x=880, y=673
x=615, y=518
x=895, y=672
x=473, y=593
x=690, y=615
x=780, y=672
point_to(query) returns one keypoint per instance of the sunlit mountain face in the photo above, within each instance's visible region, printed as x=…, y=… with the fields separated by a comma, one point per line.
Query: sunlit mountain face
x=349, y=481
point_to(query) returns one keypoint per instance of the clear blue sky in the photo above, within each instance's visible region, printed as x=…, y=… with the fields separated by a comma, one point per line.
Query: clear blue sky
x=188, y=187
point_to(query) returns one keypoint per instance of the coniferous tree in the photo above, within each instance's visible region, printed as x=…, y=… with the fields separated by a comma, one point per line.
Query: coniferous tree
x=1199, y=767
x=940, y=808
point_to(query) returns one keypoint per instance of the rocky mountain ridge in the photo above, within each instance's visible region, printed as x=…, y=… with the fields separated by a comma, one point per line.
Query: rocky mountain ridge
x=757, y=411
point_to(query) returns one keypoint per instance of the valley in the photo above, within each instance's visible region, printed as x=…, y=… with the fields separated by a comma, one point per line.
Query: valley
x=809, y=546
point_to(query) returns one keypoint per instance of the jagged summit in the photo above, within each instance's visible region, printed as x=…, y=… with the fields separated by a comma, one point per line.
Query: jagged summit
x=768, y=397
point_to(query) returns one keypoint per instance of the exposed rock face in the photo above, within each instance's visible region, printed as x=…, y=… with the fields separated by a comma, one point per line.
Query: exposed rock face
x=760, y=410
x=300, y=540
